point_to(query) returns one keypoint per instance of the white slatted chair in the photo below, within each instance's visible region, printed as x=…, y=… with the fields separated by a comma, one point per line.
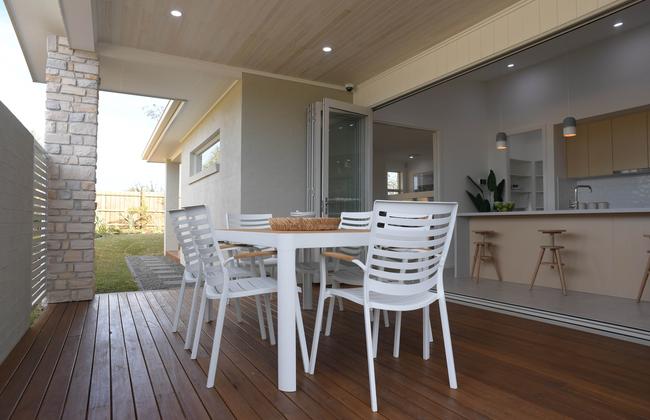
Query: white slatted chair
x=191, y=273
x=349, y=220
x=237, y=271
x=409, y=243
x=343, y=272
x=252, y=221
x=220, y=286
x=298, y=213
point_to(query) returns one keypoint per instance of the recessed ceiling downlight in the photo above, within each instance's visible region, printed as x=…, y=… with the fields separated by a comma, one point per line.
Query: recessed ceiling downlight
x=511, y=65
x=176, y=13
x=327, y=49
x=618, y=24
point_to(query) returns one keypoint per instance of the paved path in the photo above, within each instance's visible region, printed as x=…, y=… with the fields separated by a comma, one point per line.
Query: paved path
x=155, y=272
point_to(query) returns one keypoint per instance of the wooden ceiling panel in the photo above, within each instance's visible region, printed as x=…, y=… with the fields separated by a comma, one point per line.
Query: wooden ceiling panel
x=286, y=36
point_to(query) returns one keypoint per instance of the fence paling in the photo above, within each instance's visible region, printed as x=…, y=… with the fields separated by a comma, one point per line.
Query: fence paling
x=113, y=206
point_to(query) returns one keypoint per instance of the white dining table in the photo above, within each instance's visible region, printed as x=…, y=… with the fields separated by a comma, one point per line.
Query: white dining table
x=286, y=244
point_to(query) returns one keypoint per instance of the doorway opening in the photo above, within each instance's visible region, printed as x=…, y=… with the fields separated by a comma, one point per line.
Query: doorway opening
x=404, y=163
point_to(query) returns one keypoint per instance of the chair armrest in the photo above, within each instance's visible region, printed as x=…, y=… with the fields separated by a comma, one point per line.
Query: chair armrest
x=254, y=254
x=338, y=256
x=344, y=257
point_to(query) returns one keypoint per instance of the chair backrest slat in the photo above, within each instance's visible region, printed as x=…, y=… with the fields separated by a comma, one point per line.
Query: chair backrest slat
x=409, y=243
x=354, y=220
x=248, y=221
x=207, y=245
x=183, y=234
x=298, y=213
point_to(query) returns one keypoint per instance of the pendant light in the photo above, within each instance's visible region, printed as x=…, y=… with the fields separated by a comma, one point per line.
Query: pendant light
x=569, y=127
x=502, y=138
x=569, y=123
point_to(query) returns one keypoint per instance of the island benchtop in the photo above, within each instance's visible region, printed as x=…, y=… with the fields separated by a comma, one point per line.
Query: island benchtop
x=556, y=212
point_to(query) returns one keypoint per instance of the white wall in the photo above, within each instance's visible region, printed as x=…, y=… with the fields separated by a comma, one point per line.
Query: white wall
x=220, y=191
x=16, y=178
x=514, y=26
x=274, y=139
x=457, y=111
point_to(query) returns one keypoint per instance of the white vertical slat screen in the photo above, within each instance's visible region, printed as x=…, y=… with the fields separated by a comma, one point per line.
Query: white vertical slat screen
x=39, y=227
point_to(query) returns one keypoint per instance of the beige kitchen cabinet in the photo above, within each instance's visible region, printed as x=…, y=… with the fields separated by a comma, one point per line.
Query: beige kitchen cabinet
x=630, y=141
x=600, y=147
x=577, y=153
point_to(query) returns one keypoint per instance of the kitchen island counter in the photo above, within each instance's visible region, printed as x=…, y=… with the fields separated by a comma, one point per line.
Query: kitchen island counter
x=567, y=212
x=604, y=250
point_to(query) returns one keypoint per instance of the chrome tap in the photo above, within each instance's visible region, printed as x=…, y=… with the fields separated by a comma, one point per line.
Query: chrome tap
x=576, y=202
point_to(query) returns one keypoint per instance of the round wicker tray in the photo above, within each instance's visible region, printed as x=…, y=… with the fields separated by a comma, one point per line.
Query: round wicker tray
x=304, y=223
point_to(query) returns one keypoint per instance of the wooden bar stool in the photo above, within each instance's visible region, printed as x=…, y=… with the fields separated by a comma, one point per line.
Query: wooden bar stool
x=482, y=253
x=646, y=274
x=556, y=259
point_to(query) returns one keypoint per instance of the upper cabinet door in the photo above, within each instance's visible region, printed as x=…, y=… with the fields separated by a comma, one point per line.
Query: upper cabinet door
x=600, y=148
x=630, y=141
x=577, y=153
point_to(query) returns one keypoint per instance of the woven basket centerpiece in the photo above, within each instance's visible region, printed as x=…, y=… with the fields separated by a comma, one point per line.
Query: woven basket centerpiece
x=304, y=223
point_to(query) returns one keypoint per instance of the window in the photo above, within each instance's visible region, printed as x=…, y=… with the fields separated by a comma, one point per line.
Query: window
x=393, y=183
x=205, y=159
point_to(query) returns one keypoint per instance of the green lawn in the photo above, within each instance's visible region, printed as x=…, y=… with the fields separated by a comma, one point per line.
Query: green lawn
x=111, y=271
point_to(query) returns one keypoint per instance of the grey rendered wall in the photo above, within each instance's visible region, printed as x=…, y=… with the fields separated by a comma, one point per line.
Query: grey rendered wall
x=457, y=111
x=16, y=178
x=220, y=191
x=274, y=142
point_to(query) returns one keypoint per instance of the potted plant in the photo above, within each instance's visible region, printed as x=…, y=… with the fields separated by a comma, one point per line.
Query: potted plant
x=496, y=190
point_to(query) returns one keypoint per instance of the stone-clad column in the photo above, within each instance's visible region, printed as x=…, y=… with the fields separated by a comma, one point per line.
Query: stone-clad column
x=71, y=141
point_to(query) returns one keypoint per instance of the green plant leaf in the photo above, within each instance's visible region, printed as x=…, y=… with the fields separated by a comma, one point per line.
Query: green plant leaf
x=475, y=184
x=498, y=194
x=477, y=200
x=492, y=181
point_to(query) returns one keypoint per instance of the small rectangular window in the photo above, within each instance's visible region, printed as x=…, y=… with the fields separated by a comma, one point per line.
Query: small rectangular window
x=205, y=159
x=393, y=183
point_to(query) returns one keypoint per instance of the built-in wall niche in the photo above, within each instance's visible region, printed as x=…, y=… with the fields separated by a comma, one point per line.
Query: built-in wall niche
x=525, y=169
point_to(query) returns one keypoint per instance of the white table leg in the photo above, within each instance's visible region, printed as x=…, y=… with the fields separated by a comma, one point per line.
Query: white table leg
x=286, y=317
x=307, y=284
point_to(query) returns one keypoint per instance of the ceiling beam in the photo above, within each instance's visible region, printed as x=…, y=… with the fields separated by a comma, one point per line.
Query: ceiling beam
x=79, y=23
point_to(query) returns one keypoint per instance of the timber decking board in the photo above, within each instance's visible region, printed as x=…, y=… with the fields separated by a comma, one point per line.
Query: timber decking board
x=116, y=357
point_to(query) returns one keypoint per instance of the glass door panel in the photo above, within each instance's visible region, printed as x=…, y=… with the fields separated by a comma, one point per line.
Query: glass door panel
x=346, y=158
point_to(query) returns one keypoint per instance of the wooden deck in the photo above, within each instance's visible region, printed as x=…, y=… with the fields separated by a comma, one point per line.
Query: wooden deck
x=116, y=357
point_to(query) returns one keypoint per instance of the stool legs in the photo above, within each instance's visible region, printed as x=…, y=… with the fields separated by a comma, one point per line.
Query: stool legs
x=556, y=260
x=539, y=262
x=480, y=255
x=644, y=281
x=496, y=267
x=476, y=257
x=560, y=270
x=480, y=259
